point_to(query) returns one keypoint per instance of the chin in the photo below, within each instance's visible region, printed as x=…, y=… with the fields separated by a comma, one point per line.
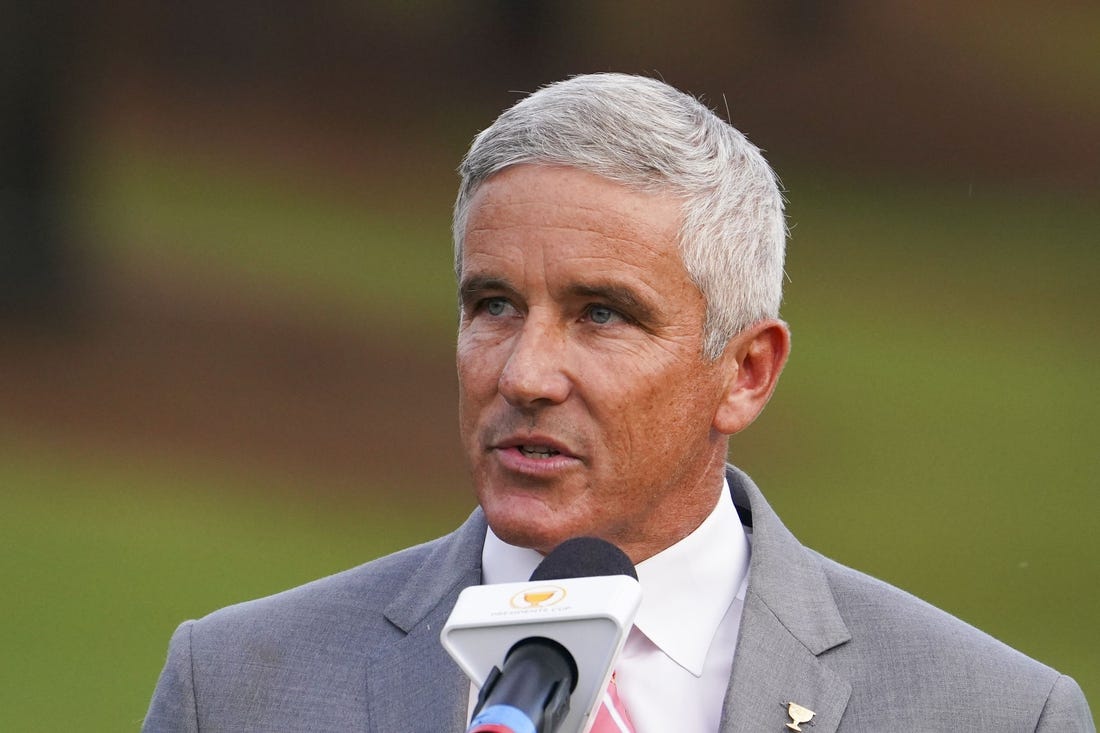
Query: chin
x=522, y=534
x=524, y=528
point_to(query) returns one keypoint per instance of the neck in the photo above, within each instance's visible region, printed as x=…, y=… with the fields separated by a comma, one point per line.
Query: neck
x=669, y=526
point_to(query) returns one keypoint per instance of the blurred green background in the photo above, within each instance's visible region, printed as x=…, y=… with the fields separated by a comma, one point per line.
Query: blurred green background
x=227, y=308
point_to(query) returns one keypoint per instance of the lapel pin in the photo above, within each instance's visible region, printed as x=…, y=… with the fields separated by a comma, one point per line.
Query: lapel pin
x=798, y=715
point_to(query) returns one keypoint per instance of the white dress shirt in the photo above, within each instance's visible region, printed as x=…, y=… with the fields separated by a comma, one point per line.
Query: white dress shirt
x=675, y=666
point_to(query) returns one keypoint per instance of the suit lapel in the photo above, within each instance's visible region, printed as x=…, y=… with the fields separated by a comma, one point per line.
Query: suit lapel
x=790, y=617
x=413, y=685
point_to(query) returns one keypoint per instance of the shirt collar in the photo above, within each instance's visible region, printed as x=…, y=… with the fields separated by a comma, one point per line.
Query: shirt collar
x=686, y=588
x=504, y=563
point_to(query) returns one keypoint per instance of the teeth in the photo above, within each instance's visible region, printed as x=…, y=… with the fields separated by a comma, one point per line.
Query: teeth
x=537, y=451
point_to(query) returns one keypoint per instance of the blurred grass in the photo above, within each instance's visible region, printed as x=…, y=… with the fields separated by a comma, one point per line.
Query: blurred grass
x=361, y=255
x=936, y=426
x=100, y=561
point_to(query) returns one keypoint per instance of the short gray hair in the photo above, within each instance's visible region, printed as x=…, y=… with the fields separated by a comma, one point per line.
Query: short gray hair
x=653, y=138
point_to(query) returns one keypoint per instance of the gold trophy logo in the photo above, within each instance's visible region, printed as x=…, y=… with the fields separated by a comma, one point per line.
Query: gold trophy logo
x=538, y=597
x=798, y=715
x=535, y=597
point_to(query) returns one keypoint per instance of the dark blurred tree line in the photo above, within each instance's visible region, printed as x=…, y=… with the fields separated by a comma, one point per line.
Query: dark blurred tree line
x=34, y=92
x=836, y=83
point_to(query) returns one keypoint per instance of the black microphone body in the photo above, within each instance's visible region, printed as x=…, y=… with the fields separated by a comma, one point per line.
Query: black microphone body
x=537, y=678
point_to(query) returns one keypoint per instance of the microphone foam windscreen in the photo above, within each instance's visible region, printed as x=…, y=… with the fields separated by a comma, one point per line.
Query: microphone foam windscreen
x=584, y=557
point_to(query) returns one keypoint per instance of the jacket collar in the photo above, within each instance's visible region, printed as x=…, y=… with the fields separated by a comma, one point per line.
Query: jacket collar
x=790, y=618
x=412, y=684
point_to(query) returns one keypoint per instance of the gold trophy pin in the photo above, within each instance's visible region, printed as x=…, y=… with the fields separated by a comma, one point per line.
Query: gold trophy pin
x=798, y=715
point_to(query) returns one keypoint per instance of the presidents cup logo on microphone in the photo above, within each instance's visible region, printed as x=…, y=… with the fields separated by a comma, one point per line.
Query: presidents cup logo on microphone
x=538, y=597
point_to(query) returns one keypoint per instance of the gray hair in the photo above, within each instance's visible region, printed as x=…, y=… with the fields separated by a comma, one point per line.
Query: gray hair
x=652, y=138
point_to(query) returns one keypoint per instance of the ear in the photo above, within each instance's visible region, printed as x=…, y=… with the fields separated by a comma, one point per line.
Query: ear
x=752, y=362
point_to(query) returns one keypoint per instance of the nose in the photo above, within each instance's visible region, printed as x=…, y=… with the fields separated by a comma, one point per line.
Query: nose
x=535, y=373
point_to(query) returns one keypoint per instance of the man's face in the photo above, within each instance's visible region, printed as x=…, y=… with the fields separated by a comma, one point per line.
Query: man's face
x=586, y=406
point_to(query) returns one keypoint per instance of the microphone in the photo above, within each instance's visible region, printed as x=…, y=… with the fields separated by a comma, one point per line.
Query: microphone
x=558, y=635
x=584, y=557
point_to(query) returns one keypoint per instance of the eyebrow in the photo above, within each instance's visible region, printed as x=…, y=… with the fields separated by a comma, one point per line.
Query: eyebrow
x=470, y=287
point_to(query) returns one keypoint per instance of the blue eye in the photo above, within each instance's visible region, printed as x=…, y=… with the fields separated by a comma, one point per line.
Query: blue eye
x=495, y=306
x=601, y=314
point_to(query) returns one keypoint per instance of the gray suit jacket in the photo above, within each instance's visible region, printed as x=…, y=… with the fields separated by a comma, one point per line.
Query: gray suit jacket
x=360, y=651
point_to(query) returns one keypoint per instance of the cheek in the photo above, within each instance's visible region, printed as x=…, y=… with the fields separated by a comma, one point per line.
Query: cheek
x=478, y=371
x=475, y=391
x=660, y=408
x=654, y=378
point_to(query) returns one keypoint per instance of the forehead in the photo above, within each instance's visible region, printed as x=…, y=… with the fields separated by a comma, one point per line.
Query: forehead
x=565, y=211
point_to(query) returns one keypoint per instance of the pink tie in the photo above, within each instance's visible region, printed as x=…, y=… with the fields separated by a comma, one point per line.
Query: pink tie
x=612, y=717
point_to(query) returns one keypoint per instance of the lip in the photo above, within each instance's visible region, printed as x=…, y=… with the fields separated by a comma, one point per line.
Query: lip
x=516, y=441
x=510, y=456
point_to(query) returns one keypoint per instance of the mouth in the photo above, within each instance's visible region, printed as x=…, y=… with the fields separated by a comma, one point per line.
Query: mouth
x=538, y=452
x=534, y=454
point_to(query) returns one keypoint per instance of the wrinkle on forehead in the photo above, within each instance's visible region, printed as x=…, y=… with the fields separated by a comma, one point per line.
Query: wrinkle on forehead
x=631, y=248
x=623, y=214
x=539, y=192
x=474, y=230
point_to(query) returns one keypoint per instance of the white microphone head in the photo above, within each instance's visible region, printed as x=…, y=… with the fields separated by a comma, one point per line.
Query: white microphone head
x=589, y=616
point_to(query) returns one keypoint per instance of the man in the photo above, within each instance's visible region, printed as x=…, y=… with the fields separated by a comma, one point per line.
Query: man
x=619, y=251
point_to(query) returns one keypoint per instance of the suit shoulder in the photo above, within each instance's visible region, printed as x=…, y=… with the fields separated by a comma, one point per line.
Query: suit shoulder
x=348, y=598
x=301, y=659
x=886, y=615
x=900, y=642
